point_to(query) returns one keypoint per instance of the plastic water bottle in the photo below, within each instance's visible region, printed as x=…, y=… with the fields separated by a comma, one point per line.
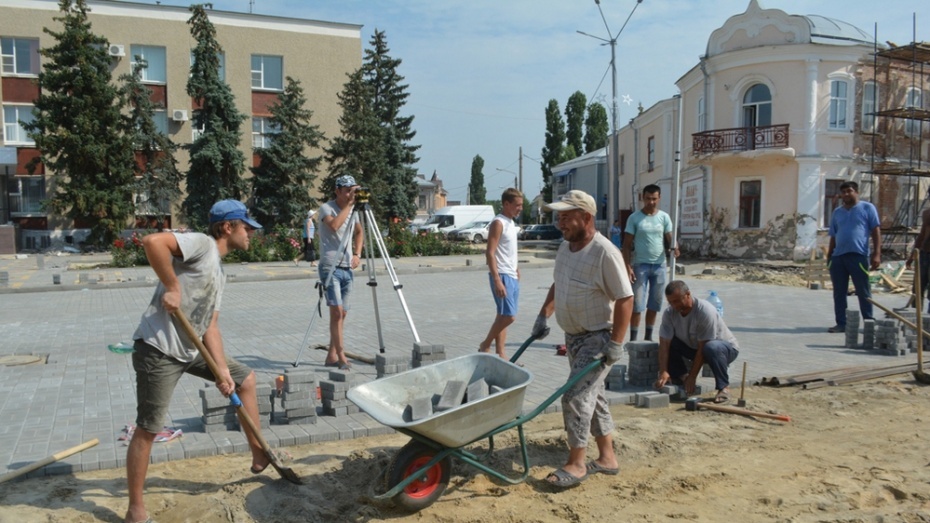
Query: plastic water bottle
x=716, y=302
x=123, y=347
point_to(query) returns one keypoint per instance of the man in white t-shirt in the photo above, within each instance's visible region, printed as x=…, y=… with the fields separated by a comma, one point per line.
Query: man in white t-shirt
x=592, y=299
x=191, y=279
x=503, y=271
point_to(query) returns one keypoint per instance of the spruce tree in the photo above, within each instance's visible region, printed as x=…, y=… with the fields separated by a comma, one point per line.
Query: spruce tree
x=285, y=174
x=358, y=150
x=477, y=193
x=158, y=180
x=574, y=119
x=216, y=163
x=553, y=150
x=77, y=129
x=596, y=128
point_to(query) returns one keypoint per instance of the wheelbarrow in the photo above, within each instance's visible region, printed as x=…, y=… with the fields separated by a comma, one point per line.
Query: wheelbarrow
x=419, y=472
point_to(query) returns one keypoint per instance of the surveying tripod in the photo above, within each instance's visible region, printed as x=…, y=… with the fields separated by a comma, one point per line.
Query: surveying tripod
x=373, y=239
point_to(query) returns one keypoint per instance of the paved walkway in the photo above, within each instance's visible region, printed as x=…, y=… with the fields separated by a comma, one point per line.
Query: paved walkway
x=86, y=391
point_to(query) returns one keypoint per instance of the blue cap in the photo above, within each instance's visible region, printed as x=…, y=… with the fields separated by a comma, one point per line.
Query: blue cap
x=231, y=210
x=346, y=180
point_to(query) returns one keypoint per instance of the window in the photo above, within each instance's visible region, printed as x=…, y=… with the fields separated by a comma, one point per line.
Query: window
x=146, y=205
x=19, y=56
x=913, y=99
x=267, y=72
x=154, y=56
x=869, y=101
x=13, y=132
x=831, y=200
x=701, y=117
x=221, y=72
x=26, y=194
x=263, y=132
x=838, y=103
x=197, y=132
x=651, y=152
x=757, y=106
x=622, y=164
x=161, y=121
x=750, y=203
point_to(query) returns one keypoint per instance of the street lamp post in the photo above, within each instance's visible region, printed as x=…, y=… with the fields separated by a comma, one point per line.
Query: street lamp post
x=515, y=179
x=615, y=124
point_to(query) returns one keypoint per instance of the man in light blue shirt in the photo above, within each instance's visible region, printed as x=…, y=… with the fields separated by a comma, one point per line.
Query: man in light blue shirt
x=848, y=256
x=646, y=243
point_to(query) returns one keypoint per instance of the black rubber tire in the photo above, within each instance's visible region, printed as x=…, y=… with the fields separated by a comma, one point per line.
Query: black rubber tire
x=479, y=238
x=422, y=492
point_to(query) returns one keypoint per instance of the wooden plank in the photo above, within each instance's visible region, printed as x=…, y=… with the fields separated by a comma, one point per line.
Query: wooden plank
x=862, y=376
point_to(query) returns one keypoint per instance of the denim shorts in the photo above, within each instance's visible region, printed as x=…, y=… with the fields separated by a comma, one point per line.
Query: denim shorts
x=653, y=276
x=337, y=294
x=506, y=306
x=157, y=374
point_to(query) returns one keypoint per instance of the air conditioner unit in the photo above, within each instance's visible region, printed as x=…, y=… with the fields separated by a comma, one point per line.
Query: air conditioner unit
x=179, y=115
x=117, y=50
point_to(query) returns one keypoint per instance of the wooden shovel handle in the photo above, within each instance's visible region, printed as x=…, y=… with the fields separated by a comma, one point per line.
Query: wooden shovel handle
x=51, y=459
x=745, y=412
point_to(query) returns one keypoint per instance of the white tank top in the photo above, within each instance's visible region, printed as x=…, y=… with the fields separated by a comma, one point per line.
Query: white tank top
x=506, y=254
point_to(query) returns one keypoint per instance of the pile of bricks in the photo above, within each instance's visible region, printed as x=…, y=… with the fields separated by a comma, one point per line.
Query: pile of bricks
x=220, y=415
x=616, y=378
x=425, y=353
x=887, y=337
x=868, y=334
x=643, y=364
x=455, y=393
x=852, y=328
x=388, y=365
x=298, y=397
x=333, y=392
x=911, y=335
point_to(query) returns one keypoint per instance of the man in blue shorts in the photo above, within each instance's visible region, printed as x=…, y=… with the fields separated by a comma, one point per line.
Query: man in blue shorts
x=339, y=258
x=646, y=243
x=503, y=272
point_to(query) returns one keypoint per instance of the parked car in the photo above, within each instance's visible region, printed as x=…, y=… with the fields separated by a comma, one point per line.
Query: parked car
x=543, y=231
x=476, y=232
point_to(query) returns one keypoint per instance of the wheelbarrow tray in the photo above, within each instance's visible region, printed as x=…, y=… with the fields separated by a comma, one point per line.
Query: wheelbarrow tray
x=387, y=399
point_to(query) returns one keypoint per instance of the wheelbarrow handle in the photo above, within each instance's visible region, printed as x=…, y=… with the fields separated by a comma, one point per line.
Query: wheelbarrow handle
x=522, y=348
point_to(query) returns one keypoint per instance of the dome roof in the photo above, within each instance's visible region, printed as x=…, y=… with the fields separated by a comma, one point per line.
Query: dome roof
x=825, y=30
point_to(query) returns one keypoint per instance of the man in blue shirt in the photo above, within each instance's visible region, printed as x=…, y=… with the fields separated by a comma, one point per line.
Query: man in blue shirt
x=848, y=255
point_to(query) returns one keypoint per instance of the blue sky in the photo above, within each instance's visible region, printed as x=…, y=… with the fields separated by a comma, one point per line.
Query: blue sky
x=481, y=72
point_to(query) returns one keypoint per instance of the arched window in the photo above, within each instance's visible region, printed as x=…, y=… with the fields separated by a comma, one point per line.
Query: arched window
x=757, y=106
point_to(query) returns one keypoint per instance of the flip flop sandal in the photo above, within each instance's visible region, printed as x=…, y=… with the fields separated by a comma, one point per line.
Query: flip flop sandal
x=722, y=397
x=331, y=364
x=596, y=468
x=563, y=479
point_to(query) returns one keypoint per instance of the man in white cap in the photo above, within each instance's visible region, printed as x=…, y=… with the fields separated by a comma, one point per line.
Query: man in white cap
x=339, y=258
x=592, y=299
x=191, y=279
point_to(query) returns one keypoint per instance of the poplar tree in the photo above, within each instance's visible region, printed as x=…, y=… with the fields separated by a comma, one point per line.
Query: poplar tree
x=596, y=127
x=574, y=118
x=476, y=189
x=553, y=149
x=78, y=129
x=216, y=162
x=285, y=174
x=158, y=181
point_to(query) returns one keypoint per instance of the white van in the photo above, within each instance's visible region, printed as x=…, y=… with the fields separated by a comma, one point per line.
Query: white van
x=456, y=216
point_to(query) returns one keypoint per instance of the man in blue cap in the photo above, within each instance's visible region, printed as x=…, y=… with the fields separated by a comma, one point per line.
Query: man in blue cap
x=191, y=279
x=339, y=258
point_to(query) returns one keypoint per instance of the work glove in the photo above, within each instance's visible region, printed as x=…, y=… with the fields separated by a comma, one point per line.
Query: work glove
x=540, y=328
x=612, y=352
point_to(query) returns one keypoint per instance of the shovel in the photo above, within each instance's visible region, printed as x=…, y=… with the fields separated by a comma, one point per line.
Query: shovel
x=285, y=472
x=919, y=374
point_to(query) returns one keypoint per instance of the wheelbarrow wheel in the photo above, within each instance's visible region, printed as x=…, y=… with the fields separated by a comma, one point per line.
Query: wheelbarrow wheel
x=430, y=484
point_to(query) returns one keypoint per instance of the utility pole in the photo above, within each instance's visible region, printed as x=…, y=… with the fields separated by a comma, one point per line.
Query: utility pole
x=520, y=170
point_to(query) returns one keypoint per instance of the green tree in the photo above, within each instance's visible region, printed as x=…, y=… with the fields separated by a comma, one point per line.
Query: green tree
x=477, y=193
x=158, y=182
x=574, y=119
x=284, y=176
x=216, y=163
x=596, y=128
x=358, y=149
x=78, y=129
x=553, y=149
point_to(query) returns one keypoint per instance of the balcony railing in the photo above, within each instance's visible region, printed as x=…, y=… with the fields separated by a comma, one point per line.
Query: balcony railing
x=740, y=139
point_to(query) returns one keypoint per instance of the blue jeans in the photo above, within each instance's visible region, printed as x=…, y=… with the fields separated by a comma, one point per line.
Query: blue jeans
x=649, y=287
x=337, y=293
x=718, y=355
x=842, y=268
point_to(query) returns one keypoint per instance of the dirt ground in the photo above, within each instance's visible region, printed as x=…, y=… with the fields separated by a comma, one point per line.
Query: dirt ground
x=852, y=453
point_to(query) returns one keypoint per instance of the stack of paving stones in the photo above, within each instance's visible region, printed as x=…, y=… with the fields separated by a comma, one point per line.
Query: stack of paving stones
x=388, y=365
x=298, y=397
x=220, y=415
x=425, y=353
x=911, y=335
x=868, y=334
x=852, y=329
x=616, y=378
x=333, y=392
x=643, y=364
x=887, y=336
